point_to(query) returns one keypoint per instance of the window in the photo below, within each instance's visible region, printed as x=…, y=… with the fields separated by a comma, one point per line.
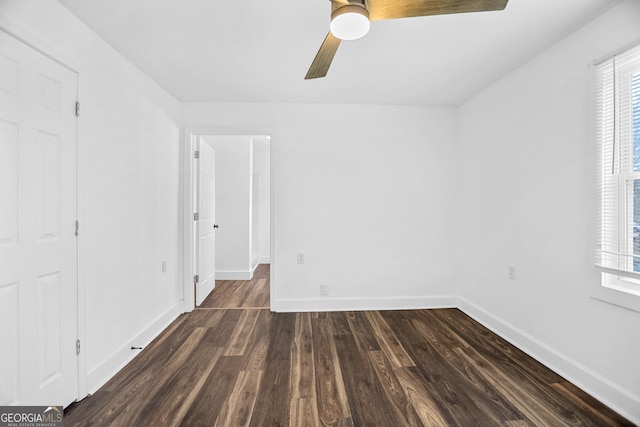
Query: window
x=617, y=96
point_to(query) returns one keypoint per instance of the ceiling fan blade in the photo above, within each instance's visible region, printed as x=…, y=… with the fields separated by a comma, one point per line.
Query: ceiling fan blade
x=323, y=58
x=384, y=9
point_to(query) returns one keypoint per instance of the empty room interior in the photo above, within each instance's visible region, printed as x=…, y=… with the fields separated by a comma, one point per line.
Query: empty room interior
x=321, y=212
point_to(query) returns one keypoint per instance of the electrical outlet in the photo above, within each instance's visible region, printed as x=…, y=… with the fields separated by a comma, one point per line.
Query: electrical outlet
x=324, y=290
x=300, y=257
x=512, y=272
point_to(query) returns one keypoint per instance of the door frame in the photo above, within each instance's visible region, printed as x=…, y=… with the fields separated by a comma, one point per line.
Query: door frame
x=45, y=48
x=188, y=186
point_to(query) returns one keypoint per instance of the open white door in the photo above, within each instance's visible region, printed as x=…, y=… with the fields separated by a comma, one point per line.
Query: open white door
x=205, y=225
x=38, y=251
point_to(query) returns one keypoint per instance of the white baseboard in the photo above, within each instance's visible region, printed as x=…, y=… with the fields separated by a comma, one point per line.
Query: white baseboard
x=612, y=395
x=288, y=305
x=234, y=275
x=264, y=260
x=102, y=373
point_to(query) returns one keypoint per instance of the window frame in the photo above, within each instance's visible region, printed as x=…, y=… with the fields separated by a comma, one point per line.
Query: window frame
x=618, y=283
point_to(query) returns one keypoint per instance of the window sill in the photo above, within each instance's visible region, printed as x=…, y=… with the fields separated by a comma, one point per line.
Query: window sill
x=617, y=296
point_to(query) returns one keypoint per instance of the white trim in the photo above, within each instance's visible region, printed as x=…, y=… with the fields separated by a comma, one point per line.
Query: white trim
x=618, y=297
x=188, y=230
x=264, y=260
x=615, y=53
x=188, y=302
x=612, y=395
x=121, y=357
x=24, y=35
x=291, y=305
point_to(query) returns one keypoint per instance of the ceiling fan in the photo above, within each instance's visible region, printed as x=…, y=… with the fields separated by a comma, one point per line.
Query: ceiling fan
x=350, y=20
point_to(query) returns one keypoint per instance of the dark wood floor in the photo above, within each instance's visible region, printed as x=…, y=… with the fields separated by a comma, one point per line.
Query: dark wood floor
x=240, y=367
x=252, y=293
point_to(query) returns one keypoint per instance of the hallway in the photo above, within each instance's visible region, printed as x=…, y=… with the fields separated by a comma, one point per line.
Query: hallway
x=241, y=293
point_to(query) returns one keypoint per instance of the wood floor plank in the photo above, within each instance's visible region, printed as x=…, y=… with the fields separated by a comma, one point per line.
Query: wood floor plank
x=216, y=299
x=254, y=293
x=527, y=373
x=204, y=410
x=333, y=405
x=449, y=391
x=193, y=394
x=479, y=390
x=535, y=411
x=368, y=403
x=388, y=341
x=242, y=333
x=179, y=331
x=340, y=324
x=131, y=400
x=361, y=330
x=519, y=423
x=421, y=399
x=205, y=318
x=303, y=372
x=258, y=296
x=241, y=366
x=274, y=404
x=304, y=413
x=397, y=400
x=258, y=346
x=239, y=407
x=594, y=409
x=487, y=342
x=175, y=396
x=238, y=297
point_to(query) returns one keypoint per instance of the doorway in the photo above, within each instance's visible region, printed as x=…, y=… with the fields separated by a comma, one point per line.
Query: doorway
x=228, y=212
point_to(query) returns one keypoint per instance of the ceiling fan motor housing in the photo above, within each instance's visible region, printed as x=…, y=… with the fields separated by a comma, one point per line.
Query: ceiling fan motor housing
x=340, y=4
x=350, y=21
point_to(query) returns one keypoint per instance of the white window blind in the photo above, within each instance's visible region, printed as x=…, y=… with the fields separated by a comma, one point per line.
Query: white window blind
x=617, y=95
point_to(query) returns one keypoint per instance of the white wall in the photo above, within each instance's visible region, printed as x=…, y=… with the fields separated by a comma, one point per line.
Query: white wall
x=233, y=205
x=364, y=191
x=128, y=188
x=527, y=198
x=262, y=167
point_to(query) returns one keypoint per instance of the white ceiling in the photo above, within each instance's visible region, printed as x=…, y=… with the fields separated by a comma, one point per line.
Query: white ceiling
x=259, y=51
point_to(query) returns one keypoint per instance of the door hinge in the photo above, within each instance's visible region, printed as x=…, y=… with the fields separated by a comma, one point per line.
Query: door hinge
x=196, y=279
x=196, y=216
x=77, y=108
x=77, y=346
x=196, y=154
x=77, y=227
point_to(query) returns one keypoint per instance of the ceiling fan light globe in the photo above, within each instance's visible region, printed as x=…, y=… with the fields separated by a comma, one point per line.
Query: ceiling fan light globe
x=350, y=25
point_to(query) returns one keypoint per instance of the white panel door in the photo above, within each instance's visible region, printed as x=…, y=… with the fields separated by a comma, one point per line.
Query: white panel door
x=206, y=224
x=38, y=258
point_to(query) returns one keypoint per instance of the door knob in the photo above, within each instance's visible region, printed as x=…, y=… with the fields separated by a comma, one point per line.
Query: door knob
x=215, y=226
